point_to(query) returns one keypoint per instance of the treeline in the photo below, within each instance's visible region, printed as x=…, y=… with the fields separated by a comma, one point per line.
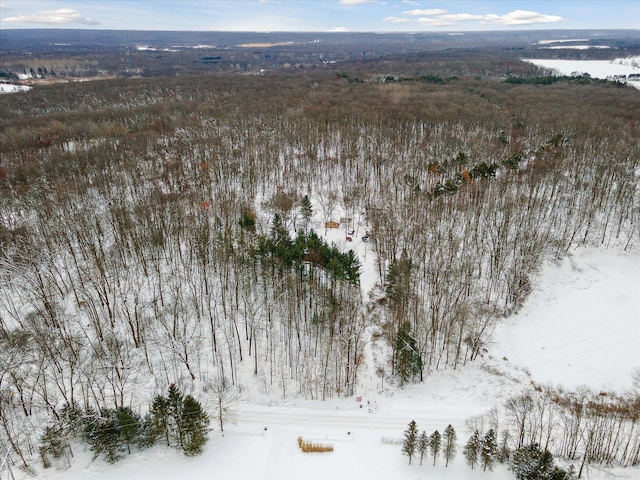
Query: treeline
x=176, y=419
x=582, y=426
x=528, y=462
x=584, y=79
x=156, y=231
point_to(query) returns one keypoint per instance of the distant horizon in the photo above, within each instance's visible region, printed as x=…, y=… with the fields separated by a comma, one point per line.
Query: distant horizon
x=311, y=32
x=320, y=16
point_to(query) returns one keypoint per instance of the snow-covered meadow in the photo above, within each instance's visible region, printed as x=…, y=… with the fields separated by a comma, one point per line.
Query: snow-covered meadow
x=581, y=325
x=601, y=69
x=12, y=88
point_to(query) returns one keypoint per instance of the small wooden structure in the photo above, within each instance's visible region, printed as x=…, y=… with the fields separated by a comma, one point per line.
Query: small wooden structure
x=331, y=224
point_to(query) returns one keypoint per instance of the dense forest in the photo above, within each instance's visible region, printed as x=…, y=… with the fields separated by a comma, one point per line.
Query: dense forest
x=168, y=230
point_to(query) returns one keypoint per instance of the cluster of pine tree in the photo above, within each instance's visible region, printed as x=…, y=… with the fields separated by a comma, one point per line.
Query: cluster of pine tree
x=532, y=463
x=483, y=450
x=177, y=418
x=421, y=444
x=307, y=249
x=528, y=462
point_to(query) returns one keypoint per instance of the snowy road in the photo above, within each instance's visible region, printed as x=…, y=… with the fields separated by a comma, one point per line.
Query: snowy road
x=348, y=417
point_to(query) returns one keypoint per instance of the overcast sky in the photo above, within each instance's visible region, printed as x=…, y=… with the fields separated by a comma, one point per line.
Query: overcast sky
x=320, y=15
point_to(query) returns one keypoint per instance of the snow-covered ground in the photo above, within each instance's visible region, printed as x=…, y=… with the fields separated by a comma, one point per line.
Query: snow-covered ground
x=595, y=68
x=12, y=88
x=581, y=325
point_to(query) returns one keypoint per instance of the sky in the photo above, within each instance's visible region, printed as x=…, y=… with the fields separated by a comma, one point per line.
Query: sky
x=321, y=15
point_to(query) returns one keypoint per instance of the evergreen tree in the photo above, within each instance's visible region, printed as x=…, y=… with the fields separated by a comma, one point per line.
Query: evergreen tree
x=247, y=220
x=149, y=432
x=398, y=285
x=471, y=450
x=488, y=450
x=449, y=438
x=434, y=443
x=531, y=463
x=194, y=425
x=410, y=440
x=102, y=432
x=53, y=444
x=129, y=424
x=503, y=450
x=158, y=421
x=175, y=400
x=178, y=418
x=408, y=363
x=279, y=234
x=307, y=211
x=71, y=416
x=423, y=445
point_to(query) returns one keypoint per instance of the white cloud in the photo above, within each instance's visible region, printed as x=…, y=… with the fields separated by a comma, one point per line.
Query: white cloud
x=422, y=13
x=338, y=29
x=396, y=20
x=436, y=17
x=517, y=17
x=461, y=17
x=434, y=22
x=62, y=16
x=522, y=17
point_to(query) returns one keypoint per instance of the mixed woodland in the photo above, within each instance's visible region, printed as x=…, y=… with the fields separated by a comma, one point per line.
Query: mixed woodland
x=165, y=233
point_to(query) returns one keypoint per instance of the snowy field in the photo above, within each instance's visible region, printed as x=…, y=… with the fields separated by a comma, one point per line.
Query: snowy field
x=601, y=69
x=12, y=88
x=581, y=325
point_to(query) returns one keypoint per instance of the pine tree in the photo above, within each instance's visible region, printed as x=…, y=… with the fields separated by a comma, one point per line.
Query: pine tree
x=71, y=416
x=129, y=424
x=176, y=417
x=110, y=436
x=423, y=445
x=434, y=444
x=526, y=462
x=149, y=432
x=398, y=285
x=531, y=463
x=488, y=450
x=408, y=362
x=503, y=450
x=471, y=450
x=279, y=234
x=102, y=432
x=53, y=443
x=450, y=447
x=307, y=211
x=175, y=400
x=159, y=421
x=194, y=425
x=410, y=440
